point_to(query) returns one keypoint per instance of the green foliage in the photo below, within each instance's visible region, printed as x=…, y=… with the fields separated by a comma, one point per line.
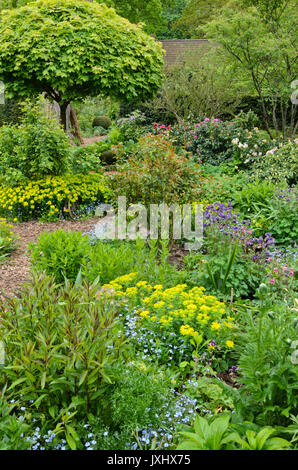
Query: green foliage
x=80, y=49
x=35, y=148
x=225, y=271
x=140, y=11
x=87, y=159
x=204, y=435
x=102, y=121
x=202, y=83
x=138, y=400
x=279, y=164
x=133, y=127
x=89, y=108
x=66, y=254
x=155, y=173
x=61, y=346
x=218, y=433
x=61, y=254
x=10, y=112
x=53, y=197
x=12, y=428
x=264, y=47
x=261, y=441
x=253, y=197
x=7, y=240
x=195, y=14
x=280, y=216
x=222, y=186
x=267, y=365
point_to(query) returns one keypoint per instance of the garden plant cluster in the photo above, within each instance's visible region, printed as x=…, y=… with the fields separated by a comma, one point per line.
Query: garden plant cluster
x=141, y=344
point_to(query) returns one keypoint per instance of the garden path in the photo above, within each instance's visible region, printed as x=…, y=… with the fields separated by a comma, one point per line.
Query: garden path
x=16, y=269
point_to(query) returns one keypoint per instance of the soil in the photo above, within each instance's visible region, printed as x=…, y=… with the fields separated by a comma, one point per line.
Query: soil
x=91, y=140
x=16, y=269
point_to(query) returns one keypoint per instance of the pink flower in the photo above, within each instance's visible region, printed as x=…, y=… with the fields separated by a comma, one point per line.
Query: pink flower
x=207, y=119
x=269, y=259
x=272, y=281
x=291, y=272
x=162, y=126
x=275, y=270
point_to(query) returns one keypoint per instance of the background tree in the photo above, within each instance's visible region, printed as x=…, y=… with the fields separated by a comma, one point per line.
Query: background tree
x=196, y=14
x=73, y=49
x=265, y=48
x=148, y=12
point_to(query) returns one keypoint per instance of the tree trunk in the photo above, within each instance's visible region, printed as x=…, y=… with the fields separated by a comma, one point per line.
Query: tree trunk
x=75, y=124
x=63, y=114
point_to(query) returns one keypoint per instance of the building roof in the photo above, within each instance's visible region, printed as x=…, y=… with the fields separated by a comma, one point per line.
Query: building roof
x=175, y=49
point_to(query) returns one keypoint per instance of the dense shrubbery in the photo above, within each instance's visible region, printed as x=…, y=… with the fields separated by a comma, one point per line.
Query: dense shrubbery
x=33, y=149
x=52, y=197
x=155, y=173
x=280, y=163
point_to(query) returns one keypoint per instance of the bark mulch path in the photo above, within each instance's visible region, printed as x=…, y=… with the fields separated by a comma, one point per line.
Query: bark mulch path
x=16, y=269
x=91, y=140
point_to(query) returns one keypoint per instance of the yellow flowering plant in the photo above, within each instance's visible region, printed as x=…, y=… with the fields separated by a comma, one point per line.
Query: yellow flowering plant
x=172, y=324
x=52, y=197
x=7, y=239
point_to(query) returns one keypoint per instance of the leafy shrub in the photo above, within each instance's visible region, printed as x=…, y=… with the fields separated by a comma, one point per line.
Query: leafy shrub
x=108, y=157
x=268, y=372
x=138, y=400
x=35, y=148
x=155, y=173
x=216, y=142
x=248, y=120
x=12, y=429
x=221, y=186
x=61, y=254
x=64, y=254
x=10, y=112
x=61, y=347
x=217, y=433
x=253, y=197
x=133, y=127
x=102, y=121
x=52, y=197
x=224, y=271
x=280, y=216
x=7, y=240
x=86, y=159
x=88, y=108
x=280, y=163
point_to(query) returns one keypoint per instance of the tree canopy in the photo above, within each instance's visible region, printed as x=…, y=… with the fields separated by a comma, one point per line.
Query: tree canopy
x=73, y=49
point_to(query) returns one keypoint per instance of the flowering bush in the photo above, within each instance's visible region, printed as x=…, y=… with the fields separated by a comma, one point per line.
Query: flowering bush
x=280, y=163
x=7, y=239
x=168, y=325
x=214, y=141
x=52, y=197
x=281, y=278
